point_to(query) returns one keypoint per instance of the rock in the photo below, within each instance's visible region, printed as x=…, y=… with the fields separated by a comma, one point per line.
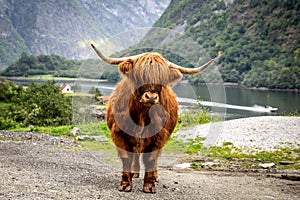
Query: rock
x=209, y=164
x=267, y=165
x=91, y=138
x=31, y=128
x=101, y=138
x=286, y=162
x=75, y=131
x=85, y=138
x=183, y=165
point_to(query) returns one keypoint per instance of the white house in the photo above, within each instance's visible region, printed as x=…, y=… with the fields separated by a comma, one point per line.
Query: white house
x=65, y=88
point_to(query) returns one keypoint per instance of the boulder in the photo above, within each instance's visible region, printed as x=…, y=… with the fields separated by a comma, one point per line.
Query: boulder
x=101, y=138
x=266, y=165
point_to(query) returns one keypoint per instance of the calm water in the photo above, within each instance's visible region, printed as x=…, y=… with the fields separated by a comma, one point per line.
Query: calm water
x=248, y=102
x=235, y=102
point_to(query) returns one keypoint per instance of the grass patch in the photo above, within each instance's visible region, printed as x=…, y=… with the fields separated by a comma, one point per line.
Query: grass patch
x=174, y=146
x=189, y=118
x=43, y=76
x=196, y=145
x=227, y=153
x=293, y=114
x=76, y=94
x=91, y=129
x=106, y=147
x=51, y=130
x=94, y=129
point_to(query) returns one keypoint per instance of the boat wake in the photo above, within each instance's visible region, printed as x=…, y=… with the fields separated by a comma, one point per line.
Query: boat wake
x=255, y=108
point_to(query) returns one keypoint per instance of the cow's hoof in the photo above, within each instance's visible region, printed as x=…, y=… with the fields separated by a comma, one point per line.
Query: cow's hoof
x=149, y=188
x=136, y=175
x=125, y=188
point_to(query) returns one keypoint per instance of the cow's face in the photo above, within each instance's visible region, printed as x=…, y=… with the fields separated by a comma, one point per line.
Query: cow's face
x=148, y=94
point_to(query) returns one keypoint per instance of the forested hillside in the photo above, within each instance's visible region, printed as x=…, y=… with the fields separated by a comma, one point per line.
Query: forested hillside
x=260, y=38
x=57, y=66
x=66, y=28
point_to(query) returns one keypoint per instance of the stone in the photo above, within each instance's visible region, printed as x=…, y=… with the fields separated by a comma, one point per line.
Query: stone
x=75, y=131
x=286, y=162
x=266, y=165
x=183, y=165
x=101, y=138
x=85, y=138
x=209, y=164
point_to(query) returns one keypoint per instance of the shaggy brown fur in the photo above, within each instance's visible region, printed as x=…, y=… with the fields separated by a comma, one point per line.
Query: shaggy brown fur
x=142, y=113
x=139, y=129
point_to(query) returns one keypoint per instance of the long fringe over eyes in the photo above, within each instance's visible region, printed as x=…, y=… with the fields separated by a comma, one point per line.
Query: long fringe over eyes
x=151, y=68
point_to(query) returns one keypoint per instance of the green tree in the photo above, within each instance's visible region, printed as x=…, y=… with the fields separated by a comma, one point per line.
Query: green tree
x=95, y=91
x=44, y=105
x=9, y=91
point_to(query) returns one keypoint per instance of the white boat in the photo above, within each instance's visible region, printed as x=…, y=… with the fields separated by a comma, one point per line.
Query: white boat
x=271, y=109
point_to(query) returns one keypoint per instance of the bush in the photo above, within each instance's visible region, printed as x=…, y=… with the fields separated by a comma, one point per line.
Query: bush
x=189, y=118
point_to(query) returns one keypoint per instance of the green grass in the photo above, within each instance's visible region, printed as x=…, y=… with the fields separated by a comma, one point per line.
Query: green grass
x=51, y=77
x=51, y=130
x=228, y=152
x=174, y=146
x=85, y=129
x=44, y=76
x=293, y=114
x=195, y=145
x=107, y=147
x=189, y=119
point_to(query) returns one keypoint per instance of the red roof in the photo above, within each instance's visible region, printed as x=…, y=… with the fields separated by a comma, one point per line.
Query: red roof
x=105, y=98
x=63, y=86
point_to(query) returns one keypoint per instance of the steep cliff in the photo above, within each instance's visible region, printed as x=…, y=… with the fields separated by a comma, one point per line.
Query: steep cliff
x=66, y=27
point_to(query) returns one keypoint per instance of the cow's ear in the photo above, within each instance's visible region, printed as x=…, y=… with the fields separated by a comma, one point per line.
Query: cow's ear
x=125, y=67
x=175, y=76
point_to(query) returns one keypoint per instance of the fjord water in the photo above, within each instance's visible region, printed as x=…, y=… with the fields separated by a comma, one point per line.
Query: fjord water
x=235, y=102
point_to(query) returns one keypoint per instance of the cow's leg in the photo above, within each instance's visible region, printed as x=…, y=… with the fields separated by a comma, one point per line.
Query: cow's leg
x=156, y=171
x=126, y=181
x=150, y=161
x=135, y=168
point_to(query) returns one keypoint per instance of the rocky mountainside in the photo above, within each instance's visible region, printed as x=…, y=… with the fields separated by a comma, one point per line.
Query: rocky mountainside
x=67, y=27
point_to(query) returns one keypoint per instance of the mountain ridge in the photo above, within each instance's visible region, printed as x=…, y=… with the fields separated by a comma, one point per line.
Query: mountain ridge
x=66, y=28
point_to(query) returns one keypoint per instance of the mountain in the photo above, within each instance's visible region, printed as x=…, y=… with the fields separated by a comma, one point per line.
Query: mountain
x=260, y=40
x=66, y=28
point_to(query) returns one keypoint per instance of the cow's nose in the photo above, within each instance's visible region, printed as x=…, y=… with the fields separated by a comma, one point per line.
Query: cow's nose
x=151, y=96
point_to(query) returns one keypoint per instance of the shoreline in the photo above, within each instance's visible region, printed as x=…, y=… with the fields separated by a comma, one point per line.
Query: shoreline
x=59, y=79
x=67, y=79
x=227, y=84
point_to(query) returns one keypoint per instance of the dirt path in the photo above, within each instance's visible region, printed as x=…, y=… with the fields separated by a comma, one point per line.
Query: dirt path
x=44, y=167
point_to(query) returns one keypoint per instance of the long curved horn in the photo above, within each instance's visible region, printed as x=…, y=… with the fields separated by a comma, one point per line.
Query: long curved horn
x=111, y=60
x=195, y=70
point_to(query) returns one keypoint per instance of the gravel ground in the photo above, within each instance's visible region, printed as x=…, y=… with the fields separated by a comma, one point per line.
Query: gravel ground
x=262, y=133
x=38, y=166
